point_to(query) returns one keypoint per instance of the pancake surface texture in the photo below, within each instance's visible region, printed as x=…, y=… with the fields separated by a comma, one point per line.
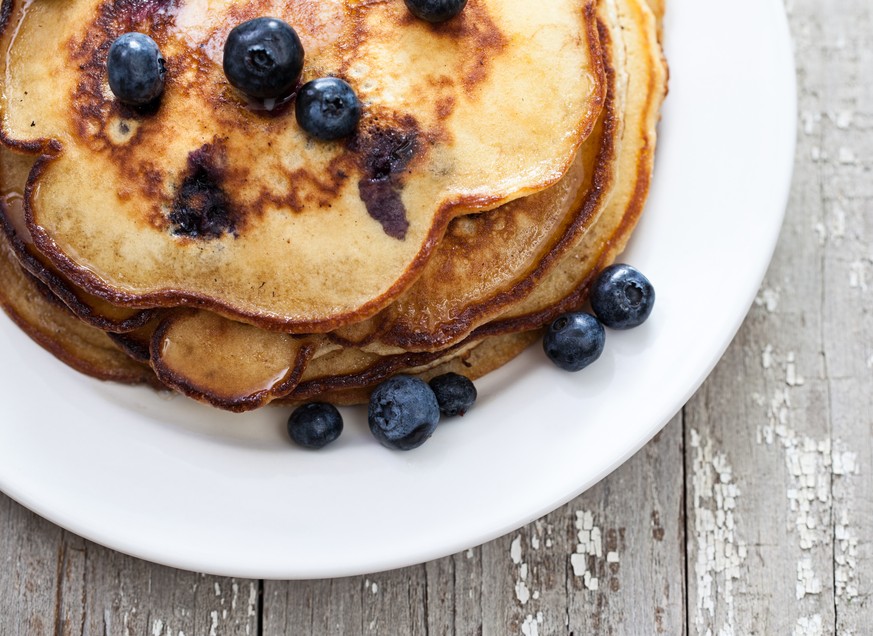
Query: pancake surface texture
x=304, y=290
x=210, y=199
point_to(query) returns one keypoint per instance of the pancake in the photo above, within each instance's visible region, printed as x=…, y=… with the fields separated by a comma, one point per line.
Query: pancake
x=50, y=324
x=555, y=241
x=641, y=66
x=297, y=236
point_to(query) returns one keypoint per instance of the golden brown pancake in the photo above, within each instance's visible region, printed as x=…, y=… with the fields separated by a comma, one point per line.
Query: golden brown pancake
x=14, y=170
x=640, y=67
x=238, y=367
x=49, y=323
x=289, y=233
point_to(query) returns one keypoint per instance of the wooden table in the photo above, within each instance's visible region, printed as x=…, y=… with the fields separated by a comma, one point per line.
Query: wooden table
x=751, y=513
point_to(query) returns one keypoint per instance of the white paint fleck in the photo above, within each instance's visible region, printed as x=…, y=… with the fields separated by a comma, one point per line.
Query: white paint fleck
x=809, y=626
x=845, y=468
x=157, y=627
x=767, y=356
x=234, y=587
x=807, y=581
x=858, y=275
x=720, y=552
x=213, y=628
x=579, y=563
x=253, y=600
x=535, y=542
x=549, y=543
x=469, y=553
x=791, y=376
x=217, y=589
x=822, y=233
x=847, y=156
x=515, y=550
x=530, y=627
x=809, y=120
x=815, y=153
x=590, y=544
x=521, y=592
x=768, y=299
x=536, y=595
x=842, y=119
x=374, y=587
x=845, y=463
x=612, y=557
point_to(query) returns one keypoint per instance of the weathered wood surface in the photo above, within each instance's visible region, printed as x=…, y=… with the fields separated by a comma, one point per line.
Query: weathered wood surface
x=752, y=513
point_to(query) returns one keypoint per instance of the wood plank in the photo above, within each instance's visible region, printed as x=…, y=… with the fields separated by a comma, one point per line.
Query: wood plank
x=777, y=438
x=843, y=127
x=531, y=582
x=64, y=585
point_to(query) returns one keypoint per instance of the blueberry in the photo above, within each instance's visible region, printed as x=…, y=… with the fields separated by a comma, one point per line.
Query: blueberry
x=622, y=297
x=263, y=58
x=454, y=393
x=574, y=341
x=136, y=69
x=315, y=424
x=403, y=412
x=327, y=108
x=435, y=10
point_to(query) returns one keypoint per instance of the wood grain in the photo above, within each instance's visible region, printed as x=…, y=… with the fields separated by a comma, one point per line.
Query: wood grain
x=752, y=513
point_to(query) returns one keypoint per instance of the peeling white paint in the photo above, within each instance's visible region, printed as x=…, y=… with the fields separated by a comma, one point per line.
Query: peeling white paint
x=530, y=626
x=590, y=544
x=253, y=600
x=808, y=120
x=515, y=550
x=845, y=468
x=809, y=626
x=767, y=356
x=807, y=581
x=858, y=275
x=213, y=627
x=157, y=627
x=470, y=553
x=847, y=156
x=768, y=299
x=374, y=587
x=842, y=119
x=791, y=376
x=521, y=592
x=720, y=552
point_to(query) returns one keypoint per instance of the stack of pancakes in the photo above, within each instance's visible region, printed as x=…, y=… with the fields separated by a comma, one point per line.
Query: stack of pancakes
x=206, y=244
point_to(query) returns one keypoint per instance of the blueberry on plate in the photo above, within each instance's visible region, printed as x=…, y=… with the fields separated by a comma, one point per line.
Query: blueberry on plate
x=327, y=108
x=622, y=297
x=136, y=69
x=435, y=10
x=403, y=412
x=263, y=58
x=315, y=425
x=455, y=393
x=574, y=340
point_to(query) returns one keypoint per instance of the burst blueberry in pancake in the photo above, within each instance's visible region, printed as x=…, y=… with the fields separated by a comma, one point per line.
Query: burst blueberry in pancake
x=489, y=283
x=207, y=198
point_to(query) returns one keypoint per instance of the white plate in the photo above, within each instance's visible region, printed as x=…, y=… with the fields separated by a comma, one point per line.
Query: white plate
x=173, y=482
